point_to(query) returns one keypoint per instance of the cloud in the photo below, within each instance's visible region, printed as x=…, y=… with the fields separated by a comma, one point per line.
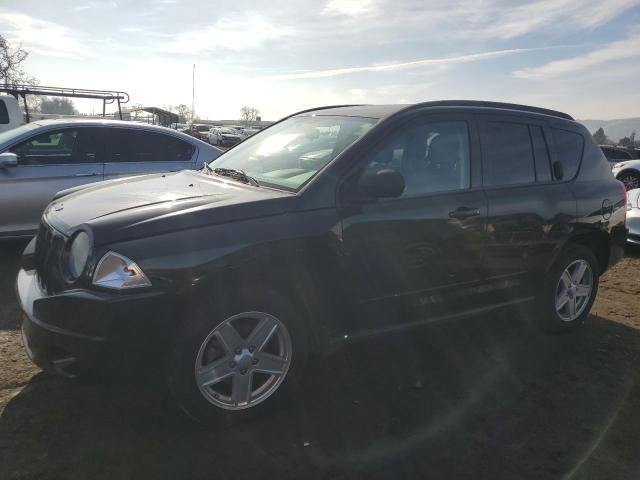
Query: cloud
x=474, y=57
x=514, y=21
x=348, y=7
x=232, y=33
x=40, y=36
x=619, y=50
x=95, y=5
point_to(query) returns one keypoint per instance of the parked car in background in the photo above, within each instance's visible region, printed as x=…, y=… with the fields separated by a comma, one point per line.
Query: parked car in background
x=633, y=216
x=628, y=172
x=41, y=158
x=618, y=154
x=224, y=136
x=198, y=130
x=10, y=114
x=333, y=225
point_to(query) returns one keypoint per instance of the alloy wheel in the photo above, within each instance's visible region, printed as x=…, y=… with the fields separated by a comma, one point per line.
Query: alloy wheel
x=243, y=360
x=573, y=290
x=630, y=181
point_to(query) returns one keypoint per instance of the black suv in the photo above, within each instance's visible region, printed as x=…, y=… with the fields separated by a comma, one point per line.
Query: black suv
x=334, y=224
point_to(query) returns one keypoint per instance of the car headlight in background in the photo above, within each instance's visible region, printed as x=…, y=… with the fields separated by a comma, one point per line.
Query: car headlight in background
x=78, y=254
x=619, y=165
x=119, y=272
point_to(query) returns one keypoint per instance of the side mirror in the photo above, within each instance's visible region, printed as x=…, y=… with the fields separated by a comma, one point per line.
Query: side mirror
x=8, y=159
x=558, y=172
x=382, y=183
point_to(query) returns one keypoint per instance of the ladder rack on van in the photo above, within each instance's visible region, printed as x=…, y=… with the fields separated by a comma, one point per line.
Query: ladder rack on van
x=107, y=96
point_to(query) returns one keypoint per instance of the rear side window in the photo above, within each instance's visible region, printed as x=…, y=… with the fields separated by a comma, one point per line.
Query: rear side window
x=507, y=154
x=4, y=114
x=569, y=147
x=140, y=146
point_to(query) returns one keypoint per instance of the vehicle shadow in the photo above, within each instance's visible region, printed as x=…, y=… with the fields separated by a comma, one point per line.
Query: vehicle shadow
x=480, y=398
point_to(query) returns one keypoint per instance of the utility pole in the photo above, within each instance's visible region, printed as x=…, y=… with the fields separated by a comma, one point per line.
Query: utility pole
x=193, y=92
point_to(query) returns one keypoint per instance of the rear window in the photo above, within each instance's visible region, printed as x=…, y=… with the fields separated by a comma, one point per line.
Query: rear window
x=507, y=154
x=569, y=147
x=4, y=114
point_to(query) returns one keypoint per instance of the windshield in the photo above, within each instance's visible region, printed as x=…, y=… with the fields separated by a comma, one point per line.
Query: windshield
x=16, y=132
x=290, y=153
x=202, y=128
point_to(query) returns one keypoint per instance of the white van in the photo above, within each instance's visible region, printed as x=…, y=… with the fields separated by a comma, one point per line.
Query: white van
x=10, y=114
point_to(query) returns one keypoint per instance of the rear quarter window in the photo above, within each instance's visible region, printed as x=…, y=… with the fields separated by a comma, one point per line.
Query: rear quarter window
x=569, y=148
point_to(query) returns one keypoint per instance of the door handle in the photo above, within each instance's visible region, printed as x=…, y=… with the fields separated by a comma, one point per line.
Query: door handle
x=462, y=213
x=92, y=174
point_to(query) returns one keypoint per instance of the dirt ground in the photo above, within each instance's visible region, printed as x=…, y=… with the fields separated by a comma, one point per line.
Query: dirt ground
x=481, y=398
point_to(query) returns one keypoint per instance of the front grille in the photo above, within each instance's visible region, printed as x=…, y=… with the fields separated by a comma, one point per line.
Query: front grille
x=48, y=253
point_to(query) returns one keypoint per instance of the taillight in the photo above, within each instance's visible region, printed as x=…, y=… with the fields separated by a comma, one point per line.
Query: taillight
x=626, y=204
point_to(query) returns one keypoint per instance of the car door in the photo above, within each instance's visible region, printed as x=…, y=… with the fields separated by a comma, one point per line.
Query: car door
x=530, y=212
x=132, y=151
x=418, y=256
x=47, y=163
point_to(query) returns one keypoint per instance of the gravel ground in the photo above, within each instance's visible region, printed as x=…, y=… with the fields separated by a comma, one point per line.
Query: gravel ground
x=480, y=398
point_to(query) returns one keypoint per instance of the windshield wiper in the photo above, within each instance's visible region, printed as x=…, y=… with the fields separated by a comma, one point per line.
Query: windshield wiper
x=207, y=167
x=236, y=175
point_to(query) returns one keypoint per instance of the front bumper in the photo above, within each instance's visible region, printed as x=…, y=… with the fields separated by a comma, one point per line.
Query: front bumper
x=76, y=330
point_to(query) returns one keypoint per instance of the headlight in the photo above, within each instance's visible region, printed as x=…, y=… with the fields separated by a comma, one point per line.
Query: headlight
x=619, y=165
x=78, y=254
x=119, y=272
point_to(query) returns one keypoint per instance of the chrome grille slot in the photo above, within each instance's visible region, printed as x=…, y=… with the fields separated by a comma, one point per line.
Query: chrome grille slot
x=48, y=253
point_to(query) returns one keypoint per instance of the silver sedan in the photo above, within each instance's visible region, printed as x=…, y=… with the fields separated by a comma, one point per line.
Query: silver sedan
x=41, y=158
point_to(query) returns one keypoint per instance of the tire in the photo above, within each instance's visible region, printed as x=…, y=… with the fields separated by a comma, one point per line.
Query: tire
x=631, y=180
x=214, y=404
x=554, y=307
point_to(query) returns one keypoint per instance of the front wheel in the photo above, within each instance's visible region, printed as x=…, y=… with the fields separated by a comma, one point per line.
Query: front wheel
x=570, y=289
x=631, y=180
x=238, y=362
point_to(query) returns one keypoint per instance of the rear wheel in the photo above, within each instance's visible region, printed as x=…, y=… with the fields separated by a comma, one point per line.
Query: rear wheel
x=631, y=180
x=234, y=363
x=570, y=289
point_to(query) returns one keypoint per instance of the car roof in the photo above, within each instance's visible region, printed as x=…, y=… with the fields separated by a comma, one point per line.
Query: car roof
x=383, y=111
x=62, y=122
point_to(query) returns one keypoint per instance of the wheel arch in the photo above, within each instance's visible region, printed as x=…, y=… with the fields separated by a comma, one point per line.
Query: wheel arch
x=598, y=242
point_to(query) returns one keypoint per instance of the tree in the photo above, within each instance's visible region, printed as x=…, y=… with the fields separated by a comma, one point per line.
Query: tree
x=249, y=114
x=184, y=112
x=600, y=137
x=59, y=106
x=11, y=59
x=628, y=142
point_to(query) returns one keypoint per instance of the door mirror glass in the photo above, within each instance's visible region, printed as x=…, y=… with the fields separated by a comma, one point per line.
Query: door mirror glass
x=382, y=183
x=8, y=159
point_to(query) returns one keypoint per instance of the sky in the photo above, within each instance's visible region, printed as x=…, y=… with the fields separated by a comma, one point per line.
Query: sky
x=578, y=56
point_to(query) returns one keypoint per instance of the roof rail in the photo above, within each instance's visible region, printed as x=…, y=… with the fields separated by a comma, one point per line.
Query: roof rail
x=323, y=108
x=107, y=96
x=480, y=103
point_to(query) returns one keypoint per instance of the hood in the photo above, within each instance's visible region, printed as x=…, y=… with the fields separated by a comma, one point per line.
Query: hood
x=153, y=204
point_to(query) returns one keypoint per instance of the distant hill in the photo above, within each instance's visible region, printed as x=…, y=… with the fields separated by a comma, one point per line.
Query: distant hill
x=614, y=129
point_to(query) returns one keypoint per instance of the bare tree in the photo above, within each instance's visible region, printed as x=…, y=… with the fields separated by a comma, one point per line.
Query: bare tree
x=183, y=111
x=249, y=114
x=11, y=59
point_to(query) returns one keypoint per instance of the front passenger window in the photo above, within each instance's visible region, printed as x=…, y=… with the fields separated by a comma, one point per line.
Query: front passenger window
x=432, y=157
x=47, y=149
